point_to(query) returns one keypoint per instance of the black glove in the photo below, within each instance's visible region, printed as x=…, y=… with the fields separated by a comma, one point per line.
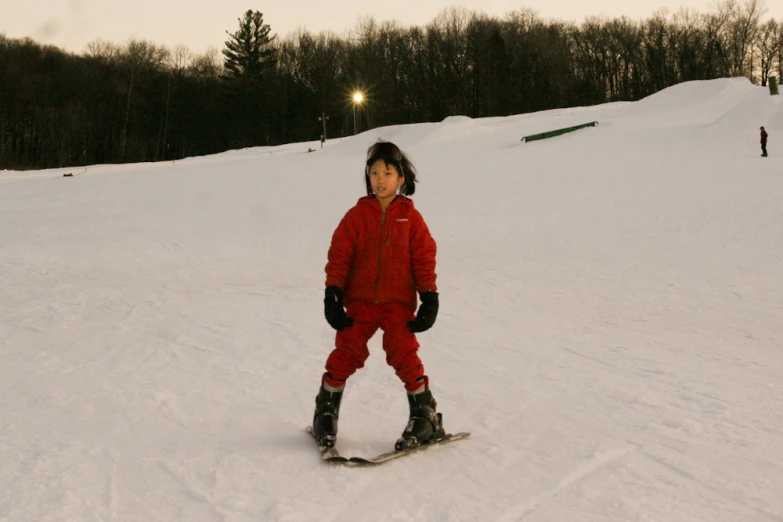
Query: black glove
x=428, y=312
x=334, y=311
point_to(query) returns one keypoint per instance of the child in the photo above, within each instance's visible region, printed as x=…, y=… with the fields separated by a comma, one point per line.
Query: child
x=763, y=143
x=381, y=255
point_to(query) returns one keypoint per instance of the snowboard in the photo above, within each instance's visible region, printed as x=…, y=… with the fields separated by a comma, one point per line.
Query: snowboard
x=386, y=457
x=331, y=455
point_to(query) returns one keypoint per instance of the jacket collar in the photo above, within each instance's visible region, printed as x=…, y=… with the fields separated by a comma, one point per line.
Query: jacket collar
x=371, y=201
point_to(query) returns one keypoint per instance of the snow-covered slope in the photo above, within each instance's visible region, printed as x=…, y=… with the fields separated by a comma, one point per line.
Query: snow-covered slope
x=611, y=326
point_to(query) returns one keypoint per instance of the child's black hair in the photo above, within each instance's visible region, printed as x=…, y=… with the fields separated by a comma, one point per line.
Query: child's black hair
x=391, y=155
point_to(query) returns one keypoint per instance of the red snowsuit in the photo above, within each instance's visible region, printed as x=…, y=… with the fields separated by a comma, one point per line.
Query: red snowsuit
x=380, y=259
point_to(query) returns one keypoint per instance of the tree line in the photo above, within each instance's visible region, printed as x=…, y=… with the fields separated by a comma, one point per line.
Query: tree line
x=143, y=102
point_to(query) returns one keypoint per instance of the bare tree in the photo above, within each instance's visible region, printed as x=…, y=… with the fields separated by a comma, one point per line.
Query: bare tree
x=206, y=66
x=744, y=20
x=767, y=46
x=450, y=26
x=316, y=62
x=687, y=42
x=780, y=50
x=104, y=50
x=139, y=58
x=715, y=51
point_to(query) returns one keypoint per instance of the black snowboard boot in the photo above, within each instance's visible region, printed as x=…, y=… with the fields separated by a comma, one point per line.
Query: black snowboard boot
x=424, y=425
x=327, y=409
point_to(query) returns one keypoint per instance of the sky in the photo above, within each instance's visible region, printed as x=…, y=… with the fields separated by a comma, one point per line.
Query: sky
x=609, y=328
x=71, y=24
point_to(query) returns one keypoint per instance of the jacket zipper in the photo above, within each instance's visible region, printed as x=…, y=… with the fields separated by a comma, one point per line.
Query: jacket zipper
x=380, y=251
x=387, y=235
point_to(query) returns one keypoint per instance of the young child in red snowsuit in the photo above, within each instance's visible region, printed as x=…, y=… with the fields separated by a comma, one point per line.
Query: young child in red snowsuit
x=381, y=256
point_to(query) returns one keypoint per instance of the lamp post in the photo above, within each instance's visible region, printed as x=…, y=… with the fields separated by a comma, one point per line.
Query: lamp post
x=357, y=99
x=323, y=119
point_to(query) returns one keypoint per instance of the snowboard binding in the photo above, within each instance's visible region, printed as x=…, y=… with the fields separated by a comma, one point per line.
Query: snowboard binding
x=424, y=426
x=327, y=412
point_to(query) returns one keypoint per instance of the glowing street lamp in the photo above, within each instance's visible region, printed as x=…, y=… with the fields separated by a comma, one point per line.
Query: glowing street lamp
x=357, y=99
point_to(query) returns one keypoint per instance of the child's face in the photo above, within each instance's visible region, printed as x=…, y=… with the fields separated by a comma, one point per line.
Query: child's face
x=385, y=180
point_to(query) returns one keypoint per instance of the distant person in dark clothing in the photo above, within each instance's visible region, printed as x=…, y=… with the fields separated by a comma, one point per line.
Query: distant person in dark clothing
x=763, y=143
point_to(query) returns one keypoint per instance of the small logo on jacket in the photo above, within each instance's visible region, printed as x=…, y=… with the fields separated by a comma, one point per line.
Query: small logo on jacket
x=401, y=219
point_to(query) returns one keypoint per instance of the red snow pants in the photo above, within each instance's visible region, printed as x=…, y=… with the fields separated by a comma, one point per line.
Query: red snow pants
x=399, y=343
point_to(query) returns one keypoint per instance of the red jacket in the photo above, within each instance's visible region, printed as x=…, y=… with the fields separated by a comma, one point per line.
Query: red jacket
x=382, y=257
x=763, y=136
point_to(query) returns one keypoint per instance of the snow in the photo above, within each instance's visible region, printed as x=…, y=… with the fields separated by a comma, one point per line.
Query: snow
x=611, y=326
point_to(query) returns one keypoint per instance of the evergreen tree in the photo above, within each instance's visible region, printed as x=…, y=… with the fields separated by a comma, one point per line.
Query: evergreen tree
x=249, y=54
x=250, y=63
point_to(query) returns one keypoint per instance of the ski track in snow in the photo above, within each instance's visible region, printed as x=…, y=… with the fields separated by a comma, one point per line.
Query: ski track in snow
x=586, y=469
x=609, y=331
